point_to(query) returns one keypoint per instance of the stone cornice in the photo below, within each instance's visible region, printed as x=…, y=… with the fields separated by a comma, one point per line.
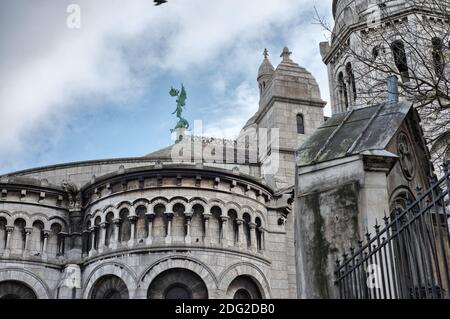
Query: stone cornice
x=175, y=248
x=275, y=98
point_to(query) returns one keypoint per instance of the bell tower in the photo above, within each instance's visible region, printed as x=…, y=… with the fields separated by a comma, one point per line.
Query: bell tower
x=290, y=109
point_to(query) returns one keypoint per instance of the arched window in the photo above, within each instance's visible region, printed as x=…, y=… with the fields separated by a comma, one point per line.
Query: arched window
x=438, y=56
x=109, y=229
x=109, y=287
x=197, y=224
x=351, y=80
x=141, y=224
x=342, y=92
x=300, y=124
x=16, y=290
x=125, y=225
x=178, y=231
x=244, y=287
x=3, y=223
x=242, y=294
x=246, y=226
x=178, y=291
x=258, y=233
x=97, y=232
x=375, y=52
x=232, y=227
x=398, y=50
x=177, y=283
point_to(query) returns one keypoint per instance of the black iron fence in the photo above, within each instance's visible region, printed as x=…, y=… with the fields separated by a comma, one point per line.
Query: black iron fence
x=406, y=258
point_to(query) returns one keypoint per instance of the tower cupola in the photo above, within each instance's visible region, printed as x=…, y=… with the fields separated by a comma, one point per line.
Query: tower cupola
x=265, y=73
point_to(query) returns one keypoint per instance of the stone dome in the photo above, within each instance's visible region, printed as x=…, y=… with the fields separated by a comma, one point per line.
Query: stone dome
x=266, y=67
x=292, y=72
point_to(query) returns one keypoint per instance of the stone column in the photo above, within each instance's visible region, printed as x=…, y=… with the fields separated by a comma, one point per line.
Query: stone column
x=9, y=231
x=28, y=232
x=169, y=216
x=240, y=232
x=62, y=243
x=207, y=237
x=92, y=251
x=116, y=233
x=46, y=234
x=224, y=238
x=76, y=234
x=133, y=220
x=150, y=218
x=102, y=235
x=263, y=238
x=187, y=238
x=253, y=245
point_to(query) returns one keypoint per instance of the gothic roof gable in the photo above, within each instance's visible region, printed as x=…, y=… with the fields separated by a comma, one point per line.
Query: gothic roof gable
x=354, y=132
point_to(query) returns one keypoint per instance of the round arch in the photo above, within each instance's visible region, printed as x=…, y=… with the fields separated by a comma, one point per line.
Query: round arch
x=109, y=287
x=13, y=289
x=39, y=287
x=40, y=217
x=400, y=197
x=111, y=268
x=7, y=216
x=181, y=262
x=244, y=269
x=21, y=215
x=177, y=283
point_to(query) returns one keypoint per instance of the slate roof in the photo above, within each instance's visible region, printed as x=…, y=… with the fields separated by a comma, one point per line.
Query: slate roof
x=354, y=132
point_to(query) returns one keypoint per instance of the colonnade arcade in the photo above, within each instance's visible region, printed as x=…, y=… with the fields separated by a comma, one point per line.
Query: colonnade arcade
x=173, y=222
x=32, y=236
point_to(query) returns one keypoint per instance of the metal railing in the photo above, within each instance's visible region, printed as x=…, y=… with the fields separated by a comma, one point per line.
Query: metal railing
x=408, y=257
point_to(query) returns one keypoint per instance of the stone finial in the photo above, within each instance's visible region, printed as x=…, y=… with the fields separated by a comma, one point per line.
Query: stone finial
x=286, y=54
x=266, y=54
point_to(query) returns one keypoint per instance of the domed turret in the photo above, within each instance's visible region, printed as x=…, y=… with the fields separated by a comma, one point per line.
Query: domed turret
x=265, y=73
x=294, y=81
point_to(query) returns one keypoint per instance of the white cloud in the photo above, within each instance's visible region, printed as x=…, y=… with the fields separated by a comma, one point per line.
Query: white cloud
x=240, y=107
x=46, y=70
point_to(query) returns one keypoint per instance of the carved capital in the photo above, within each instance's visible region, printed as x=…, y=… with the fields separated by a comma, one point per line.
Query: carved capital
x=207, y=216
x=224, y=218
x=132, y=218
x=169, y=215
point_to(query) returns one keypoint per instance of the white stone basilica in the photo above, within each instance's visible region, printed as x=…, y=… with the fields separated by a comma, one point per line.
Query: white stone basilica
x=156, y=227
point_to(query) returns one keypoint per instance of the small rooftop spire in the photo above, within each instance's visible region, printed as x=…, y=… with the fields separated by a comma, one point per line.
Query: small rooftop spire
x=266, y=54
x=286, y=54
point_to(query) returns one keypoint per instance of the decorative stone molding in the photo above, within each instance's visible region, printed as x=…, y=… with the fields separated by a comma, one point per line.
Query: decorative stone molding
x=38, y=285
x=183, y=262
x=244, y=269
x=111, y=268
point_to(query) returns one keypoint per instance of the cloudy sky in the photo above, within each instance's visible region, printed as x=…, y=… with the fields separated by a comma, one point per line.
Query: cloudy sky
x=101, y=91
